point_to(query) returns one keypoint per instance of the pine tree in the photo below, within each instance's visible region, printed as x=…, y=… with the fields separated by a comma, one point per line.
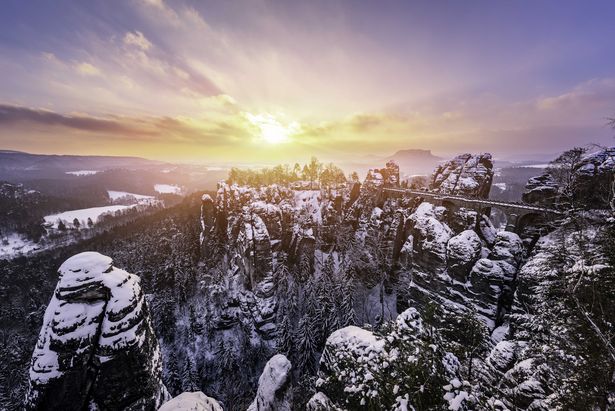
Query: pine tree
x=195, y=325
x=347, y=313
x=189, y=377
x=173, y=381
x=226, y=356
x=306, y=346
x=284, y=339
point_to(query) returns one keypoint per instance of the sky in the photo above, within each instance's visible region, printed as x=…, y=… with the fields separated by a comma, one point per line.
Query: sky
x=278, y=81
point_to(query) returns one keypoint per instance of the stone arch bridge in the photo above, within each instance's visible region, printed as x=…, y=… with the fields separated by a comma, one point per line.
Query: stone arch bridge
x=516, y=213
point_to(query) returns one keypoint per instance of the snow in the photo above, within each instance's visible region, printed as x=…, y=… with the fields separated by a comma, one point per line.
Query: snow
x=535, y=166
x=81, y=173
x=309, y=201
x=116, y=195
x=92, y=299
x=502, y=355
x=272, y=381
x=357, y=338
x=191, y=401
x=499, y=333
x=465, y=246
x=501, y=186
x=83, y=214
x=167, y=189
x=15, y=244
x=435, y=234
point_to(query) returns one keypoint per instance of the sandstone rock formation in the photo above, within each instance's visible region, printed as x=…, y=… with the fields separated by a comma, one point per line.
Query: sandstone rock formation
x=274, y=390
x=541, y=190
x=466, y=174
x=97, y=348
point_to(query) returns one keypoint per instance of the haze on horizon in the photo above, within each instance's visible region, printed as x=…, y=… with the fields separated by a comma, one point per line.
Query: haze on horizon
x=267, y=81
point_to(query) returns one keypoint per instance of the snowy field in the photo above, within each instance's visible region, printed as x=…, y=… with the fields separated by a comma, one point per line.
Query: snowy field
x=167, y=189
x=15, y=244
x=83, y=214
x=535, y=166
x=83, y=172
x=116, y=195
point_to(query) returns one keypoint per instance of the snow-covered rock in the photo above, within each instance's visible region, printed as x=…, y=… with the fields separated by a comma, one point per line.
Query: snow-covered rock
x=430, y=236
x=541, y=190
x=502, y=356
x=97, y=347
x=593, y=177
x=466, y=174
x=274, y=389
x=462, y=250
x=191, y=401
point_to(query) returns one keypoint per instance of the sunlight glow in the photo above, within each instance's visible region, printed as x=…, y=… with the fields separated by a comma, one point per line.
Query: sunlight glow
x=271, y=129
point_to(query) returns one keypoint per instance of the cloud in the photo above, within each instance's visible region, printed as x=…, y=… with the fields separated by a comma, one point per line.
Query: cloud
x=87, y=69
x=165, y=129
x=11, y=115
x=137, y=39
x=589, y=94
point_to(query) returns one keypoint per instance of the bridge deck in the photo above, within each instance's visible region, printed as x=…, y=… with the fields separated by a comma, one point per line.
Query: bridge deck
x=476, y=201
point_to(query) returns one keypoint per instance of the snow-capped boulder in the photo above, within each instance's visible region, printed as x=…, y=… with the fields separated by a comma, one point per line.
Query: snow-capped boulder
x=463, y=250
x=274, y=388
x=508, y=248
x=191, y=401
x=502, y=356
x=467, y=174
x=97, y=348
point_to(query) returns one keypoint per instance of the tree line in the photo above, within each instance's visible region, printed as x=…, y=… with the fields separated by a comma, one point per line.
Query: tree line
x=312, y=172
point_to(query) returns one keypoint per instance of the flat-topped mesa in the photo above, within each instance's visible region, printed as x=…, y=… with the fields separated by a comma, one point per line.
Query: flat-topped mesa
x=466, y=175
x=97, y=348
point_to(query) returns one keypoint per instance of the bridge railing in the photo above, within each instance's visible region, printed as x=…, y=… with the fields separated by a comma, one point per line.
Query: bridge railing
x=453, y=197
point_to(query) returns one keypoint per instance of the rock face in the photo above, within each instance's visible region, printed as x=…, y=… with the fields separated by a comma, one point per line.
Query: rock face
x=430, y=237
x=467, y=175
x=463, y=250
x=191, y=401
x=541, y=190
x=593, y=176
x=274, y=389
x=97, y=347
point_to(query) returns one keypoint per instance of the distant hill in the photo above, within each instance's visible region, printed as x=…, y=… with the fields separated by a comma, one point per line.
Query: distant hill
x=20, y=161
x=415, y=161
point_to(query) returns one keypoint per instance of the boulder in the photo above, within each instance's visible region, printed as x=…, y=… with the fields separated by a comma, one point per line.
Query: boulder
x=463, y=250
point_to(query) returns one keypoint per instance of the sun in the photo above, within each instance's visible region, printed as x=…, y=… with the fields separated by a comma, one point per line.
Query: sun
x=271, y=129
